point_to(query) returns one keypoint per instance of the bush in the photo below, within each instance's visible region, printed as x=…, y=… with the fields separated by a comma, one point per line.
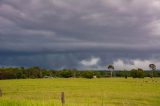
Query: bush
x=88, y=74
x=97, y=74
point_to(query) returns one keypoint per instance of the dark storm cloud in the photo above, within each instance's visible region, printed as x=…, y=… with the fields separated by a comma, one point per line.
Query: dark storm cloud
x=66, y=33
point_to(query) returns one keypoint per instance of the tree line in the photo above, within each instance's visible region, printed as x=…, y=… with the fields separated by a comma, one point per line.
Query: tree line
x=37, y=72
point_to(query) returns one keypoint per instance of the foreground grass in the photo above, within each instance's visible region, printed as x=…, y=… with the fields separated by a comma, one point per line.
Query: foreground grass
x=81, y=92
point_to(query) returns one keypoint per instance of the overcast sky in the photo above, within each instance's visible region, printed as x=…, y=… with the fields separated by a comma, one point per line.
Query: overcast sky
x=83, y=34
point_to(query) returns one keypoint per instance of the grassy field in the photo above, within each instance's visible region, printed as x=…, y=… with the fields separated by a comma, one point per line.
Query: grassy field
x=81, y=92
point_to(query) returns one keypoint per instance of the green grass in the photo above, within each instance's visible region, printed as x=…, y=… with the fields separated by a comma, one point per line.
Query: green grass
x=81, y=92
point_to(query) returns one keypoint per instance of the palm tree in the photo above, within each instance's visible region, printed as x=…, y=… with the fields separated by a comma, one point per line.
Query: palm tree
x=111, y=68
x=153, y=68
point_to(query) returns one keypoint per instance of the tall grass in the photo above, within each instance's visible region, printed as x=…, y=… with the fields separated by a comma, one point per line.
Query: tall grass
x=81, y=92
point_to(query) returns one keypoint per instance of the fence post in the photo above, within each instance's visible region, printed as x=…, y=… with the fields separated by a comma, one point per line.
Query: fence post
x=102, y=102
x=62, y=98
x=0, y=93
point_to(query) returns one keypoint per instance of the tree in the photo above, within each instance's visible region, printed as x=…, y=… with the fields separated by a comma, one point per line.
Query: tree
x=110, y=68
x=66, y=73
x=34, y=72
x=153, y=68
x=137, y=73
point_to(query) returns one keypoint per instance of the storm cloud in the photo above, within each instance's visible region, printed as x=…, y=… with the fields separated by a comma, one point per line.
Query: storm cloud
x=74, y=34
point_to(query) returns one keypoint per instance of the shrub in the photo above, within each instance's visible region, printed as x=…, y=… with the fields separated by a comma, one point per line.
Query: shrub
x=88, y=74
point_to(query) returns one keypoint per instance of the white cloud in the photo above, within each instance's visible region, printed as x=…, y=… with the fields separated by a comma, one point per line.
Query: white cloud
x=91, y=62
x=132, y=64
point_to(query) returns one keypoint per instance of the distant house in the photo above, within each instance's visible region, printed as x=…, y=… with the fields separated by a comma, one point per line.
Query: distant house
x=94, y=76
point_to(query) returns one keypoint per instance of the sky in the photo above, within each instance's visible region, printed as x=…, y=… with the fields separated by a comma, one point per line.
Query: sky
x=82, y=34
